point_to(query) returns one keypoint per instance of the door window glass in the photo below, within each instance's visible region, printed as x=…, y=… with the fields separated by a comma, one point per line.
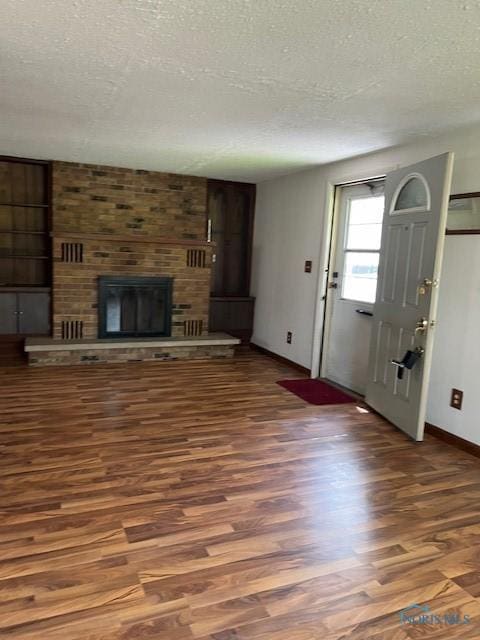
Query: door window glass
x=362, y=248
x=413, y=195
x=360, y=277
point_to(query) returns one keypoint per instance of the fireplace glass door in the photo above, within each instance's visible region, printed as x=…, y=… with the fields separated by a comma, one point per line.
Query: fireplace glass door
x=134, y=307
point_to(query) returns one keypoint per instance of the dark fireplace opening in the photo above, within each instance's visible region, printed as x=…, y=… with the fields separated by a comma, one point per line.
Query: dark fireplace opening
x=134, y=307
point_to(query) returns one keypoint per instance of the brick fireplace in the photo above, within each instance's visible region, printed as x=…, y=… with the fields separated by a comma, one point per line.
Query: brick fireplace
x=75, y=283
x=110, y=222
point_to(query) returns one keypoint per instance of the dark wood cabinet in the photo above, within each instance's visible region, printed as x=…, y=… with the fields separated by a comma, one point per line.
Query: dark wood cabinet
x=24, y=312
x=8, y=314
x=230, y=221
x=233, y=315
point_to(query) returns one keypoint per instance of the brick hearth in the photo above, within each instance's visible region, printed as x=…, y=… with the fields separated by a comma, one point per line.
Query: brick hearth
x=45, y=351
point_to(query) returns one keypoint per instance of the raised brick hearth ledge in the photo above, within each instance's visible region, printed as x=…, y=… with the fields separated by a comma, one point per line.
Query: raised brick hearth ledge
x=47, y=351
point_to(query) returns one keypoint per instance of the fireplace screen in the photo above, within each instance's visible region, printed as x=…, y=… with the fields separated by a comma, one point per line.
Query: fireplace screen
x=134, y=307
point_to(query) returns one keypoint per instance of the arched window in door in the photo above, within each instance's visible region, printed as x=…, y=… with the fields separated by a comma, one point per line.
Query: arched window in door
x=412, y=195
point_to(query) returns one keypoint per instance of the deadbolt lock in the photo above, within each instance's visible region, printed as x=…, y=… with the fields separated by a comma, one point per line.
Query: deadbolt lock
x=421, y=325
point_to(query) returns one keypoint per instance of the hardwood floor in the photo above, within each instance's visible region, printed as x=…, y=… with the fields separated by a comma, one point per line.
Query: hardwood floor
x=200, y=500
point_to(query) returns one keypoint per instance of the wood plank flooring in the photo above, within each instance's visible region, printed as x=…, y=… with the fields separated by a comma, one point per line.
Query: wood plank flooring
x=200, y=500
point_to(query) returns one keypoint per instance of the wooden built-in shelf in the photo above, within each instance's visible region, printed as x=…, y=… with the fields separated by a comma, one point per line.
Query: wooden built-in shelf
x=28, y=233
x=26, y=206
x=15, y=288
x=25, y=273
x=14, y=256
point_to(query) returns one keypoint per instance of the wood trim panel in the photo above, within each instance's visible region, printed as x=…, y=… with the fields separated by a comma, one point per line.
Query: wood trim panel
x=23, y=160
x=281, y=359
x=453, y=440
x=464, y=196
x=253, y=200
x=107, y=237
x=235, y=183
x=462, y=232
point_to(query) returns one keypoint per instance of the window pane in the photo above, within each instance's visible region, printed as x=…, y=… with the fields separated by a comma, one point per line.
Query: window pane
x=364, y=236
x=365, y=223
x=360, y=276
x=366, y=210
x=412, y=194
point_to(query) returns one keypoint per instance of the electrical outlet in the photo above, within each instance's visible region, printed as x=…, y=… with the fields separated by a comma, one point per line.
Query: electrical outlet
x=456, y=399
x=289, y=337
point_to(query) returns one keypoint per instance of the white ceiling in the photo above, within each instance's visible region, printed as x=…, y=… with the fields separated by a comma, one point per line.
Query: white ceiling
x=239, y=89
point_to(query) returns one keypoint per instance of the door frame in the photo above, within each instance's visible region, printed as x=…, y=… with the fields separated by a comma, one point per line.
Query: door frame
x=332, y=188
x=332, y=245
x=332, y=258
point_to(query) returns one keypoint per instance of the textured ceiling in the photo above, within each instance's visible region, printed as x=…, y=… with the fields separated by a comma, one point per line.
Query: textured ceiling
x=240, y=89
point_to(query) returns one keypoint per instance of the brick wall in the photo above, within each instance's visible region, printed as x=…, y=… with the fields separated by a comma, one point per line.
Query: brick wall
x=96, y=199
x=133, y=210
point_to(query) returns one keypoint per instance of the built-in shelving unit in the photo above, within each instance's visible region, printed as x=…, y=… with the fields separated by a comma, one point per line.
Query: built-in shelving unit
x=25, y=254
x=24, y=241
x=230, y=226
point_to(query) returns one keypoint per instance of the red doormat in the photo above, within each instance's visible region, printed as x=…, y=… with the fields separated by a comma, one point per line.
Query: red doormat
x=316, y=391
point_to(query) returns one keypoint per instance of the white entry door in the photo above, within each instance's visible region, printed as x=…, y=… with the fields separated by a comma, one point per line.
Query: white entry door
x=416, y=203
x=352, y=283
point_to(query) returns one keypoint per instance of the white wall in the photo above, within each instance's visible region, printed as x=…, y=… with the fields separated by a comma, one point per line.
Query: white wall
x=288, y=231
x=291, y=227
x=456, y=356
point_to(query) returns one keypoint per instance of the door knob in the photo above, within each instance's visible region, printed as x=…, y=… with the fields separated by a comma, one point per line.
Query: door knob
x=421, y=325
x=425, y=284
